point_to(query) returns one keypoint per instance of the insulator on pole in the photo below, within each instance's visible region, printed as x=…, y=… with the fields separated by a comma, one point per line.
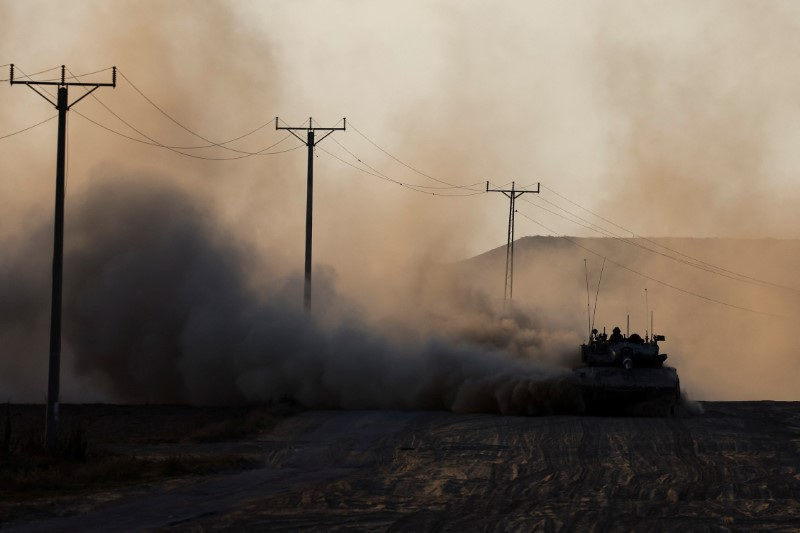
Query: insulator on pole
x=114, y=77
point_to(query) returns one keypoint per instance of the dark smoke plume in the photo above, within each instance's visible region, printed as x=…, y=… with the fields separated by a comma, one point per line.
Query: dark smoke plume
x=160, y=305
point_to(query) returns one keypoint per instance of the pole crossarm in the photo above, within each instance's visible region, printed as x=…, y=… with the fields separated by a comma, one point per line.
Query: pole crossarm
x=54, y=366
x=512, y=195
x=310, y=142
x=63, y=83
x=37, y=91
x=513, y=192
x=310, y=127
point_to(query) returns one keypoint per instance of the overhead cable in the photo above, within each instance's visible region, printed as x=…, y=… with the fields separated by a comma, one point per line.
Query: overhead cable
x=443, y=182
x=379, y=175
x=28, y=128
x=28, y=75
x=154, y=142
x=406, y=184
x=689, y=260
x=192, y=132
x=651, y=278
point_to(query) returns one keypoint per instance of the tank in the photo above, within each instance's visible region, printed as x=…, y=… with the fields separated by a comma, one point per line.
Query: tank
x=626, y=375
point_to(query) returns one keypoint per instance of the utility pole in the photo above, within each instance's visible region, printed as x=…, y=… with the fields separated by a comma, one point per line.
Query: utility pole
x=310, y=143
x=512, y=195
x=54, y=372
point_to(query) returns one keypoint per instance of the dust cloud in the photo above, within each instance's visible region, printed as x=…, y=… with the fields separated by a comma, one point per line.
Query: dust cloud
x=160, y=305
x=703, y=105
x=670, y=119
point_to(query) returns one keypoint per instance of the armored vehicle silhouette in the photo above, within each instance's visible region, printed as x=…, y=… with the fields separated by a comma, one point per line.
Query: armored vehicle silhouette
x=626, y=375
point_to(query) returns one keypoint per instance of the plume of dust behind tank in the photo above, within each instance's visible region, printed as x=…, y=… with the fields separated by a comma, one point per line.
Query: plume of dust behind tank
x=159, y=307
x=25, y=267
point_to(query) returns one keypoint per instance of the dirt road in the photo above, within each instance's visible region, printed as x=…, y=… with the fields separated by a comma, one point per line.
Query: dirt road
x=733, y=468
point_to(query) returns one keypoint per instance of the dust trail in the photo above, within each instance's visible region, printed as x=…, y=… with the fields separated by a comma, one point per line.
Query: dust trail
x=161, y=305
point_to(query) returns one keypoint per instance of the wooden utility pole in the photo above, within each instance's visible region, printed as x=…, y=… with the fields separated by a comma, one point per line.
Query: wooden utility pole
x=310, y=143
x=512, y=194
x=62, y=105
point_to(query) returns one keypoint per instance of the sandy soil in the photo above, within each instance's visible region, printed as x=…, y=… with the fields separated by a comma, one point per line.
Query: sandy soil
x=735, y=467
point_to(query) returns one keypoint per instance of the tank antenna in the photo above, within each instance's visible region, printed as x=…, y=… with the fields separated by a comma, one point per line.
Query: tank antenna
x=651, y=324
x=586, y=268
x=628, y=329
x=596, y=296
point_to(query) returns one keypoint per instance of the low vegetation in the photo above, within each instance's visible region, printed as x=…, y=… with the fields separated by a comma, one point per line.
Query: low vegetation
x=88, y=457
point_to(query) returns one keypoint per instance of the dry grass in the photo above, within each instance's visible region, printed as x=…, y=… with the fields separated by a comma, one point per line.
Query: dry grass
x=25, y=477
x=83, y=463
x=143, y=424
x=235, y=429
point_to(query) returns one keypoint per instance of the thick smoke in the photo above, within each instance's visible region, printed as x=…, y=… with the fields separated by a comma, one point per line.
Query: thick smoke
x=161, y=305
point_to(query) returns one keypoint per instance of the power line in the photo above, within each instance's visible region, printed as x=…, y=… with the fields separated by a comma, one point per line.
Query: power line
x=689, y=261
x=311, y=121
x=412, y=186
x=609, y=234
x=664, y=283
x=373, y=170
x=194, y=147
x=302, y=124
x=425, y=189
x=29, y=75
x=595, y=229
x=377, y=174
x=179, y=150
x=263, y=151
x=14, y=69
x=443, y=182
x=405, y=184
x=23, y=130
x=192, y=132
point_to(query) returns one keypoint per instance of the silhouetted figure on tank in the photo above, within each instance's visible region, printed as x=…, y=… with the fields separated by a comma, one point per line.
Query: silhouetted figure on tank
x=616, y=335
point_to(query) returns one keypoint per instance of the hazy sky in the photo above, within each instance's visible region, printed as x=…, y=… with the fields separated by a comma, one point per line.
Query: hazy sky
x=669, y=119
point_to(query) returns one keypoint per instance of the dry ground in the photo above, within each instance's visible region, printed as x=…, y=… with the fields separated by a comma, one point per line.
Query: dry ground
x=735, y=467
x=107, y=451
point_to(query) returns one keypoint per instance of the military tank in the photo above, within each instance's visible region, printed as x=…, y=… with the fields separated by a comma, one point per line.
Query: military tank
x=622, y=374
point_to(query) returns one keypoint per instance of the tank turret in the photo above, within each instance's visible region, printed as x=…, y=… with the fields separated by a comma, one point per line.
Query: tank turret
x=621, y=373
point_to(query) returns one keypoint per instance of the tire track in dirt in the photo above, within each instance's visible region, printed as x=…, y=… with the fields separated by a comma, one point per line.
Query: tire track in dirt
x=684, y=448
x=734, y=468
x=586, y=455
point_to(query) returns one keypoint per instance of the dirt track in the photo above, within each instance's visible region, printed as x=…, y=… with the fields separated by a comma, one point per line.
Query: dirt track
x=733, y=468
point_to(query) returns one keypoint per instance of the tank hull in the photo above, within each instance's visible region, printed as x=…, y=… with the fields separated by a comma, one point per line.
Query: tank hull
x=612, y=390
